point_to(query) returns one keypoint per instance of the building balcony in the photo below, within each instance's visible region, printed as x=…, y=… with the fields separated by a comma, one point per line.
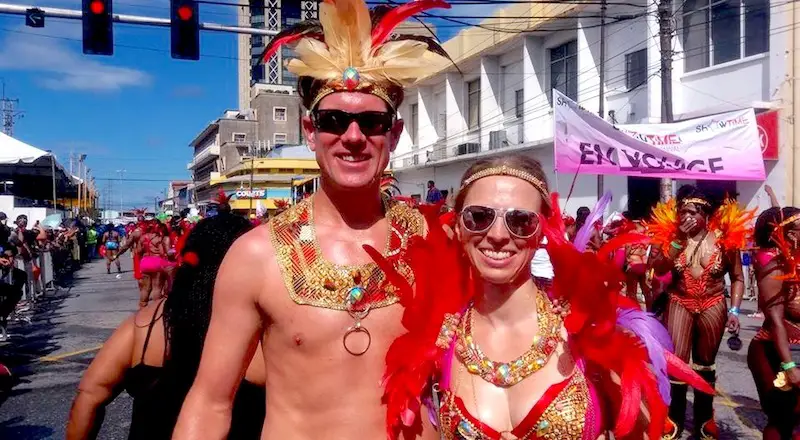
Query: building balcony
x=203, y=156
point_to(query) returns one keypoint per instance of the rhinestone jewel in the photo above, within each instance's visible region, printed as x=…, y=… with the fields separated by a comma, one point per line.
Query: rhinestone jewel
x=354, y=295
x=466, y=430
x=350, y=79
x=542, y=428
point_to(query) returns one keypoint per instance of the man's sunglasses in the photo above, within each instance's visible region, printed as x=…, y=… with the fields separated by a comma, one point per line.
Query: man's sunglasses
x=337, y=121
x=519, y=222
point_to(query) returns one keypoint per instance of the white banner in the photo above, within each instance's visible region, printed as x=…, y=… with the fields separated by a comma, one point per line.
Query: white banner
x=720, y=147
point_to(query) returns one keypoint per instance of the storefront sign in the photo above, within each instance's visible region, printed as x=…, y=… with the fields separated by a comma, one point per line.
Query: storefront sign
x=251, y=194
x=719, y=147
x=768, y=134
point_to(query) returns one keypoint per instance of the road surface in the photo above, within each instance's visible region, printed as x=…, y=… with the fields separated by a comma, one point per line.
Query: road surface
x=49, y=355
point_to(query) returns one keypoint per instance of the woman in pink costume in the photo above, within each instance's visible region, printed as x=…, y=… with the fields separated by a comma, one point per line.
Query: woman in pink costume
x=474, y=309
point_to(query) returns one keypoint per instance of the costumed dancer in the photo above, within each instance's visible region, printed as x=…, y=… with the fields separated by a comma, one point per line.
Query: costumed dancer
x=151, y=243
x=770, y=357
x=699, y=245
x=110, y=242
x=303, y=284
x=603, y=368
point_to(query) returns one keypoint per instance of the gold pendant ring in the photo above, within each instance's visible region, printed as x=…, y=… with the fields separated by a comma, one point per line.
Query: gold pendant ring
x=358, y=328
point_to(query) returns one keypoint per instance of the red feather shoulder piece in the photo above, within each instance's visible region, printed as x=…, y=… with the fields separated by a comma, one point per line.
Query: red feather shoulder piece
x=590, y=283
x=441, y=288
x=734, y=225
x=663, y=224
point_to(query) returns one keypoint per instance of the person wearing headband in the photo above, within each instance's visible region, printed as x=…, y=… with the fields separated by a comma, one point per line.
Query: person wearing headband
x=485, y=351
x=303, y=284
x=772, y=355
x=700, y=244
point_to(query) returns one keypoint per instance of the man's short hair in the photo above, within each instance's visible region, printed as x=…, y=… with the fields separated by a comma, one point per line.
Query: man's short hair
x=431, y=182
x=3, y=216
x=22, y=217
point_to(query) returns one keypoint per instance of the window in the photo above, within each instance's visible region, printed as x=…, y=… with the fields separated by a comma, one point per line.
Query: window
x=240, y=137
x=473, y=104
x=279, y=138
x=279, y=114
x=519, y=102
x=564, y=69
x=412, y=124
x=635, y=69
x=712, y=31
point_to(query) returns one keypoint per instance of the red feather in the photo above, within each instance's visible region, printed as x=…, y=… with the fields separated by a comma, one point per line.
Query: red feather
x=304, y=29
x=681, y=371
x=393, y=18
x=413, y=358
x=590, y=283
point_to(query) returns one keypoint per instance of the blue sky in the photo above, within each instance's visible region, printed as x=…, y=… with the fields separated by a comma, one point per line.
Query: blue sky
x=137, y=110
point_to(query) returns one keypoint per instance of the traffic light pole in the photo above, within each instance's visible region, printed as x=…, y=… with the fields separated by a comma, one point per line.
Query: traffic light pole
x=130, y=19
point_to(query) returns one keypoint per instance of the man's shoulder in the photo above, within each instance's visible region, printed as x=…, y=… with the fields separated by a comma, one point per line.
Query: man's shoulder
x=254, y=245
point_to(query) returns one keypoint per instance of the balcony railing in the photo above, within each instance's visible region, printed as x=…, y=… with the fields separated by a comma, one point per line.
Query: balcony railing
x=203, y=156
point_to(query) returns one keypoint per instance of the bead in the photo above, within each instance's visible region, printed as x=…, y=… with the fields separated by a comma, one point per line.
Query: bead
x=355, y=294
x=350, y=79
x=542, y=428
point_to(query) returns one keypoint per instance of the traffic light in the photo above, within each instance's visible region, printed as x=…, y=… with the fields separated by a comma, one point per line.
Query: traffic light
x=98, y=32
x=185, y=27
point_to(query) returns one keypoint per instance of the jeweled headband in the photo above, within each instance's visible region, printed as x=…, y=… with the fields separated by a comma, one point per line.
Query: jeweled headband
x=695, y=201
x=351, y=48
x=506, y=170
x=789, y=220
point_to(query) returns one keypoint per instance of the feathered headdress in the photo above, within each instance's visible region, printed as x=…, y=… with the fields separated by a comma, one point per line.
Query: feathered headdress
x=281, y=204
x=389, y=185
x=351, y=48
x=663, y=224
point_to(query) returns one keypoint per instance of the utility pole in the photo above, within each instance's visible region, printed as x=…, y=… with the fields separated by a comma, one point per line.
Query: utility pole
x=252, y=173
x=121, y=191
x=601, y=108
x=665, y=33
x=8, y=112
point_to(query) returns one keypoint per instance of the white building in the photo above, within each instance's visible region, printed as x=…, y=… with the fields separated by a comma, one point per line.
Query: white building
x=726, y=58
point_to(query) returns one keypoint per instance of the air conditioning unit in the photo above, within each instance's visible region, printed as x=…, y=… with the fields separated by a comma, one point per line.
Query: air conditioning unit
x=498, y=139
x=415, y=159
x=467, y=148
x=439, y=153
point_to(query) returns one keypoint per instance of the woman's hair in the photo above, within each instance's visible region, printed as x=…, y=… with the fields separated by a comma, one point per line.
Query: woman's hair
x=766, y=223
x=518, y=162
x=693, y=192
x=187, y=309
x=580, y=216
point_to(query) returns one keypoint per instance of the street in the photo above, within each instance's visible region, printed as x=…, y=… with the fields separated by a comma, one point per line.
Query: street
x=49, y=355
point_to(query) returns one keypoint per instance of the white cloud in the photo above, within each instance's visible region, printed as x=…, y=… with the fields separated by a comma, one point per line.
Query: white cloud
x=58, y=66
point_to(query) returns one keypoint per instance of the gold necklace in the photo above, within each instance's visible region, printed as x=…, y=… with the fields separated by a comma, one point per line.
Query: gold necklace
x=506, y=374
x=312, y=280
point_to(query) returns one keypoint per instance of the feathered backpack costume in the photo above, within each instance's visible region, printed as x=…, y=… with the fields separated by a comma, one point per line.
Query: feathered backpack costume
x=623, y=351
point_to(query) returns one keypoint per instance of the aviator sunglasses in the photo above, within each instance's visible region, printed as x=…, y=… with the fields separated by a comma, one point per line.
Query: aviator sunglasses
x=519, y=222
x=337, y=121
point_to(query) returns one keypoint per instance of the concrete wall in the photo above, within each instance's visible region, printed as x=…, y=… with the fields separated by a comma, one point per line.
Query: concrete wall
x=264, y=104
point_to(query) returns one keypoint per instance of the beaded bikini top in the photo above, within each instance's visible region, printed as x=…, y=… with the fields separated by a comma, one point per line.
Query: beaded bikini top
x=559, y=415
x=312, y=280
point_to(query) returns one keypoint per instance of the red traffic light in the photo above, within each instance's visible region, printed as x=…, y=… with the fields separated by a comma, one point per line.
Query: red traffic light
x=185, y=13
x=97, y=7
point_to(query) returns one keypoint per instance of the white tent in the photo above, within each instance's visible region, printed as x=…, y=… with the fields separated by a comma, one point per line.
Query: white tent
x=13, y=151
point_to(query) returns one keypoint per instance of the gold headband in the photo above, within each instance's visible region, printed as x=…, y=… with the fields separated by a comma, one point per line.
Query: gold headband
x=333, y=87
x=695, y=201
x=506, y=170
x=791, y=219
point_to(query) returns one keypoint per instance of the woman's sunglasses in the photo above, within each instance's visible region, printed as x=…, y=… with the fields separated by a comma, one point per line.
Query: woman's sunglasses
x=337, y=121
x=519, y=222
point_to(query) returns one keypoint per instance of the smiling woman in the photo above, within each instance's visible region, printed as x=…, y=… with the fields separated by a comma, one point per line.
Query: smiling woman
x=490, y=351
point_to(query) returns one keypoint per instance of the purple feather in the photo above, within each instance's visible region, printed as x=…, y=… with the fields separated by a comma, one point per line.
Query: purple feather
x=585, y=233
x=655, y=339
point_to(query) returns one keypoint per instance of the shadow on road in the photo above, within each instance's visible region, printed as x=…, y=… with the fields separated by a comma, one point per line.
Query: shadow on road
x=30, y=342
x=15, y=428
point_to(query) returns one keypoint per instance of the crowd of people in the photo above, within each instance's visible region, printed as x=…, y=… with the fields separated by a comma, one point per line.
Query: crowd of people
x=365, y=316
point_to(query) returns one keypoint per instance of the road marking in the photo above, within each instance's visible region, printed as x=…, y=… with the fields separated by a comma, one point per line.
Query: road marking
x=58, y=357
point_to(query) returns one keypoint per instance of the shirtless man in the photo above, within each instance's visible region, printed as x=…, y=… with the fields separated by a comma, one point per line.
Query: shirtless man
x=325, y=331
